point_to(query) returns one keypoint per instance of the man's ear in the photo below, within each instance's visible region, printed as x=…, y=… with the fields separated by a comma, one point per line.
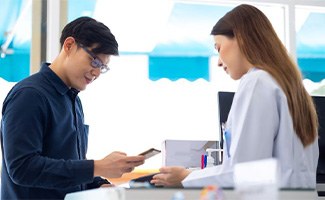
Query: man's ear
x=68, y=44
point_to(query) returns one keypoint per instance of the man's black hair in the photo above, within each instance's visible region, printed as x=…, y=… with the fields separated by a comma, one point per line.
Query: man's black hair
x=88, y=31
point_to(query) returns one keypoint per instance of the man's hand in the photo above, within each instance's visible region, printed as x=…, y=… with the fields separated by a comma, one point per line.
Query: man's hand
x=116, y=164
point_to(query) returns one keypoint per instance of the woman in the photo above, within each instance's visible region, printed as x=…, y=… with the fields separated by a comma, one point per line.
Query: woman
x=272, y=115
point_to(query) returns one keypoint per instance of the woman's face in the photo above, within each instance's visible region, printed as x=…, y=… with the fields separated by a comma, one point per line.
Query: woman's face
x=230, y=57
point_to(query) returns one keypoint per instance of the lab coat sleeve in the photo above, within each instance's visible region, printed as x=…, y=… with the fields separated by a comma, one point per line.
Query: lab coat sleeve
x=217, y=175
x=255, y=120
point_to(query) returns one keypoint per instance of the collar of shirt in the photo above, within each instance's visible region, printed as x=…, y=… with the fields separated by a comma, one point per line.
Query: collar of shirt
x=57, y=83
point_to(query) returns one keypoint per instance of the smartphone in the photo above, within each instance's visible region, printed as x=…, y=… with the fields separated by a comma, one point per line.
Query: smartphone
x=150, y=152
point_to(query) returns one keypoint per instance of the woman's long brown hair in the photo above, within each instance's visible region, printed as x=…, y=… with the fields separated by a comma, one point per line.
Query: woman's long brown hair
x=261, y=46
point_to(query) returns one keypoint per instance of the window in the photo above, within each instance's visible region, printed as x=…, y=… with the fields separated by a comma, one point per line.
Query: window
x=15, y=39
x=147, y=96
x=310, y=32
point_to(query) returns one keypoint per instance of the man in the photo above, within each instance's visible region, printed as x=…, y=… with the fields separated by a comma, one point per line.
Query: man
x=43, y=135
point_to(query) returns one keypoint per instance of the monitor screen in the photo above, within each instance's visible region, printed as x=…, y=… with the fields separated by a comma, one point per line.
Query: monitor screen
x=225, y=102
x=320, y=107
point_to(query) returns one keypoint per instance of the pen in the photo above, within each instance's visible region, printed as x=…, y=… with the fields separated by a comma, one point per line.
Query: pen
x=202, y=161
x=228, y=142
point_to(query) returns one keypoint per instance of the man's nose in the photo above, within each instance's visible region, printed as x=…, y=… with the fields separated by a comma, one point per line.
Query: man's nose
x=95, y=72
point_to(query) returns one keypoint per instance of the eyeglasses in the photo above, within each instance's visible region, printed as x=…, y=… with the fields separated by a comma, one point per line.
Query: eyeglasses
x=96, y=62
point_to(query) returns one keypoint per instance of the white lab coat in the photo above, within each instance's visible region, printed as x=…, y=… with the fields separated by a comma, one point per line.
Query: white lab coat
x=260, y=126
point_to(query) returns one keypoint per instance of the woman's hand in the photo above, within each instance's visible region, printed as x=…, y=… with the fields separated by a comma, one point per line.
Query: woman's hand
x=170, y=176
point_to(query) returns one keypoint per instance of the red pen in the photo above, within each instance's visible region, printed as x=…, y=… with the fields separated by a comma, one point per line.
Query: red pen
x=202, y=161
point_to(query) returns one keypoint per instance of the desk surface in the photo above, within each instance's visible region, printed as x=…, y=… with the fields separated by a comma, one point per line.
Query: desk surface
x=168, y=193
x=194, y=194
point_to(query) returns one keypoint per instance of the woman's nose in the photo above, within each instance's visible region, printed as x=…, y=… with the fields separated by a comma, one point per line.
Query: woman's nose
x=220, y=64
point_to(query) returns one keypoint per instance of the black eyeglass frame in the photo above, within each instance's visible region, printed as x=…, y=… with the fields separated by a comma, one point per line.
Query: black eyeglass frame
x=96, y=62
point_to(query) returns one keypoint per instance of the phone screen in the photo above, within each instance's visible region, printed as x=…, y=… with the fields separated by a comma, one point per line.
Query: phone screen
x=150, y=152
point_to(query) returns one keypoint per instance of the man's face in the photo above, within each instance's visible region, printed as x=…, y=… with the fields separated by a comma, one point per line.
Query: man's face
x=79, y=70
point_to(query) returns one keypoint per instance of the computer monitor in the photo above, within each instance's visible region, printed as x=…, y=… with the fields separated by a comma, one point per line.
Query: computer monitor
x=320, y=107
x=225, y=102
